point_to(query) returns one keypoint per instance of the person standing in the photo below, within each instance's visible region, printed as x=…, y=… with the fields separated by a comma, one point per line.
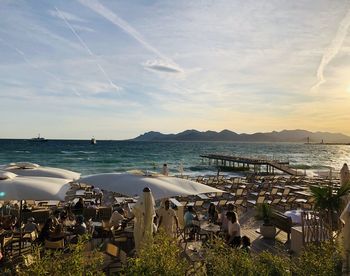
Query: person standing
x=165, y=170
x=168, y=219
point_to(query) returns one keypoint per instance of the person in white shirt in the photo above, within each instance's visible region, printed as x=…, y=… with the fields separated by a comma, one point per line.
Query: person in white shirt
x=117, y=217
x=168, y=219
x=98, y=194
x=234, y=230
x=165, y=170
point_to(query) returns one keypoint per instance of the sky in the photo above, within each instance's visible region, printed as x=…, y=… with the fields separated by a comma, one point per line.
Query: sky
x=116, y=69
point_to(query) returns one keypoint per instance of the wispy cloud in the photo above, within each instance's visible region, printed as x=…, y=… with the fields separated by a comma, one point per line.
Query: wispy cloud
x=333, y=49
x=161, y=65
x=66, y=16
x=112, y=84
x=126, y=27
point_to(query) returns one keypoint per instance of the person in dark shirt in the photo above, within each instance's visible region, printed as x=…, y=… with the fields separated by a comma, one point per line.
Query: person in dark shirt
x=79, y=205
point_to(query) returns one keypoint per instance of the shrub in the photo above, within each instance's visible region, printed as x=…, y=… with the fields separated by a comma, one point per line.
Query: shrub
x=162, y=257
x=322, y=259
x=75, y=262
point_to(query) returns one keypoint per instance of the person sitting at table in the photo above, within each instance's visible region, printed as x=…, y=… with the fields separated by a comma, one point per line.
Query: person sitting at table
x=224, y=220
x=79, y=206
x=117, y=217
x=189, y=217
x=31, y=226
x=25, y=209
x=45, y=231
x=98, y=194
x=79, y=228
x=234, y=230
x=168, y=219
x=212, y=213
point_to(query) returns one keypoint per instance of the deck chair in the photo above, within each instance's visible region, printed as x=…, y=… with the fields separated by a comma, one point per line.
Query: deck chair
x=54, y=244
x=113, y=263
x=259, y=200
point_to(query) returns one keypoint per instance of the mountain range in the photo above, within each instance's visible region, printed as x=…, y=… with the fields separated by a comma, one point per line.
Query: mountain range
x=297, y=136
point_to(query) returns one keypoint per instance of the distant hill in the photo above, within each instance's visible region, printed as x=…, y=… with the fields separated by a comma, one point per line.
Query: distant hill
x=297, y=135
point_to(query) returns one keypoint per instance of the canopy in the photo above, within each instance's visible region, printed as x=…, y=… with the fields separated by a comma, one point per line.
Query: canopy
x=133, y=185
x=31, y=169
x=13, y=187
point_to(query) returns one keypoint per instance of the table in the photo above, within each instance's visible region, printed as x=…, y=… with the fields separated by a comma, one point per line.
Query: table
x=210, y=229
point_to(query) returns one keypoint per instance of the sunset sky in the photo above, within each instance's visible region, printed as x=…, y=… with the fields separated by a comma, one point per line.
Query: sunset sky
x=116, y=69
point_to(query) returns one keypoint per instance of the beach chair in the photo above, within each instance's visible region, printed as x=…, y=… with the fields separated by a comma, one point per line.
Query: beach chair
x=287, y=202
x=112, y=262
x=54, y=244
x=259, y=200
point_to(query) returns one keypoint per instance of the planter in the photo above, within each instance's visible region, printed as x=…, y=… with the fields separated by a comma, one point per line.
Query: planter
x=268, y=231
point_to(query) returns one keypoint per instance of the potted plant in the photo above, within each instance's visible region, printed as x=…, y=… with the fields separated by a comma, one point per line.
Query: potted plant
x=267, y=229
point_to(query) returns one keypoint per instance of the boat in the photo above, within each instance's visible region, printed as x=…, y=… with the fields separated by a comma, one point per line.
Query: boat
x=93, y=141
x=39, y=139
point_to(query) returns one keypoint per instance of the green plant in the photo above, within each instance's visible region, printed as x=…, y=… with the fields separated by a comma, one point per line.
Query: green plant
x=73, y=262
x=318, y=259
x=162, y=257
x=264, y=212
x=329, y=200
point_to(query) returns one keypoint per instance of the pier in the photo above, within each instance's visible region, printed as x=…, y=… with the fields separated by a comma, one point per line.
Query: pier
x=244, y=163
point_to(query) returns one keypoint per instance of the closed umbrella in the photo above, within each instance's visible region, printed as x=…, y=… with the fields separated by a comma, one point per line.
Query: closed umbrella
x=31, y=169
x=144, y=212
x=344, y=174
x=133, y=185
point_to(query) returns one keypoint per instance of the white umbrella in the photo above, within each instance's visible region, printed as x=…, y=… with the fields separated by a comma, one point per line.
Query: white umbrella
x=344, y=174
x=161, y=186
x=13, y=187
x=144, y=212
x=31, y=169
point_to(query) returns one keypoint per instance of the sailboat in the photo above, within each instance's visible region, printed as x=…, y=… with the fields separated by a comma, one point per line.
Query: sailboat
x=93, y=141
x=39, y=139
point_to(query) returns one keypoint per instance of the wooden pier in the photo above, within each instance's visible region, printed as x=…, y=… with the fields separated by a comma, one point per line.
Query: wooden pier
x=256, y=164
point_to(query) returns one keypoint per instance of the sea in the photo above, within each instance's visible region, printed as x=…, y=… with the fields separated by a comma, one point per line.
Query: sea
x=181, y=157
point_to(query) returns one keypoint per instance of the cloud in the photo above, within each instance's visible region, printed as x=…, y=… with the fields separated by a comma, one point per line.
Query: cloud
x=66, y=15
x=82, y=42
x=333, y=49
x=162, y=66
x=126, y=27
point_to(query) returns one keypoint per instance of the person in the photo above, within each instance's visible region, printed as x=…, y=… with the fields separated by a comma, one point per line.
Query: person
x=79, y=205
x=190, y=217
x=168, y=219
x=212, y=213
x=31, y=226
x=224, y=220
x=25, y=209
x=246, y=245
x=79, y=228
x=98, y=194
x=155, y=227
x=117, y=217
x=234, y=230
x=46, y=231
x=165, y=170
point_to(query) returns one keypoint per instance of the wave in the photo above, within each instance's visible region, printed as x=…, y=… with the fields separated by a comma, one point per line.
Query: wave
x=21, y=151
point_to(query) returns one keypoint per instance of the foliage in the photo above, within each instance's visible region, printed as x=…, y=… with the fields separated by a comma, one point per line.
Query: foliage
x=322, y=259
x=224, y=260
x=326, y=199
x=264, y=212
x=73, y=262
x=162, y=257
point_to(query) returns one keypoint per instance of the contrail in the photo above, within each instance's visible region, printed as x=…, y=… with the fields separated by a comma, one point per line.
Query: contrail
x=121, y=23
x=87, y=49
x=333, y=49
x=21, y=53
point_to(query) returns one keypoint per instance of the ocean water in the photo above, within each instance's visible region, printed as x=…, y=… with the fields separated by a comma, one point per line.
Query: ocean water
x=120, y=156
